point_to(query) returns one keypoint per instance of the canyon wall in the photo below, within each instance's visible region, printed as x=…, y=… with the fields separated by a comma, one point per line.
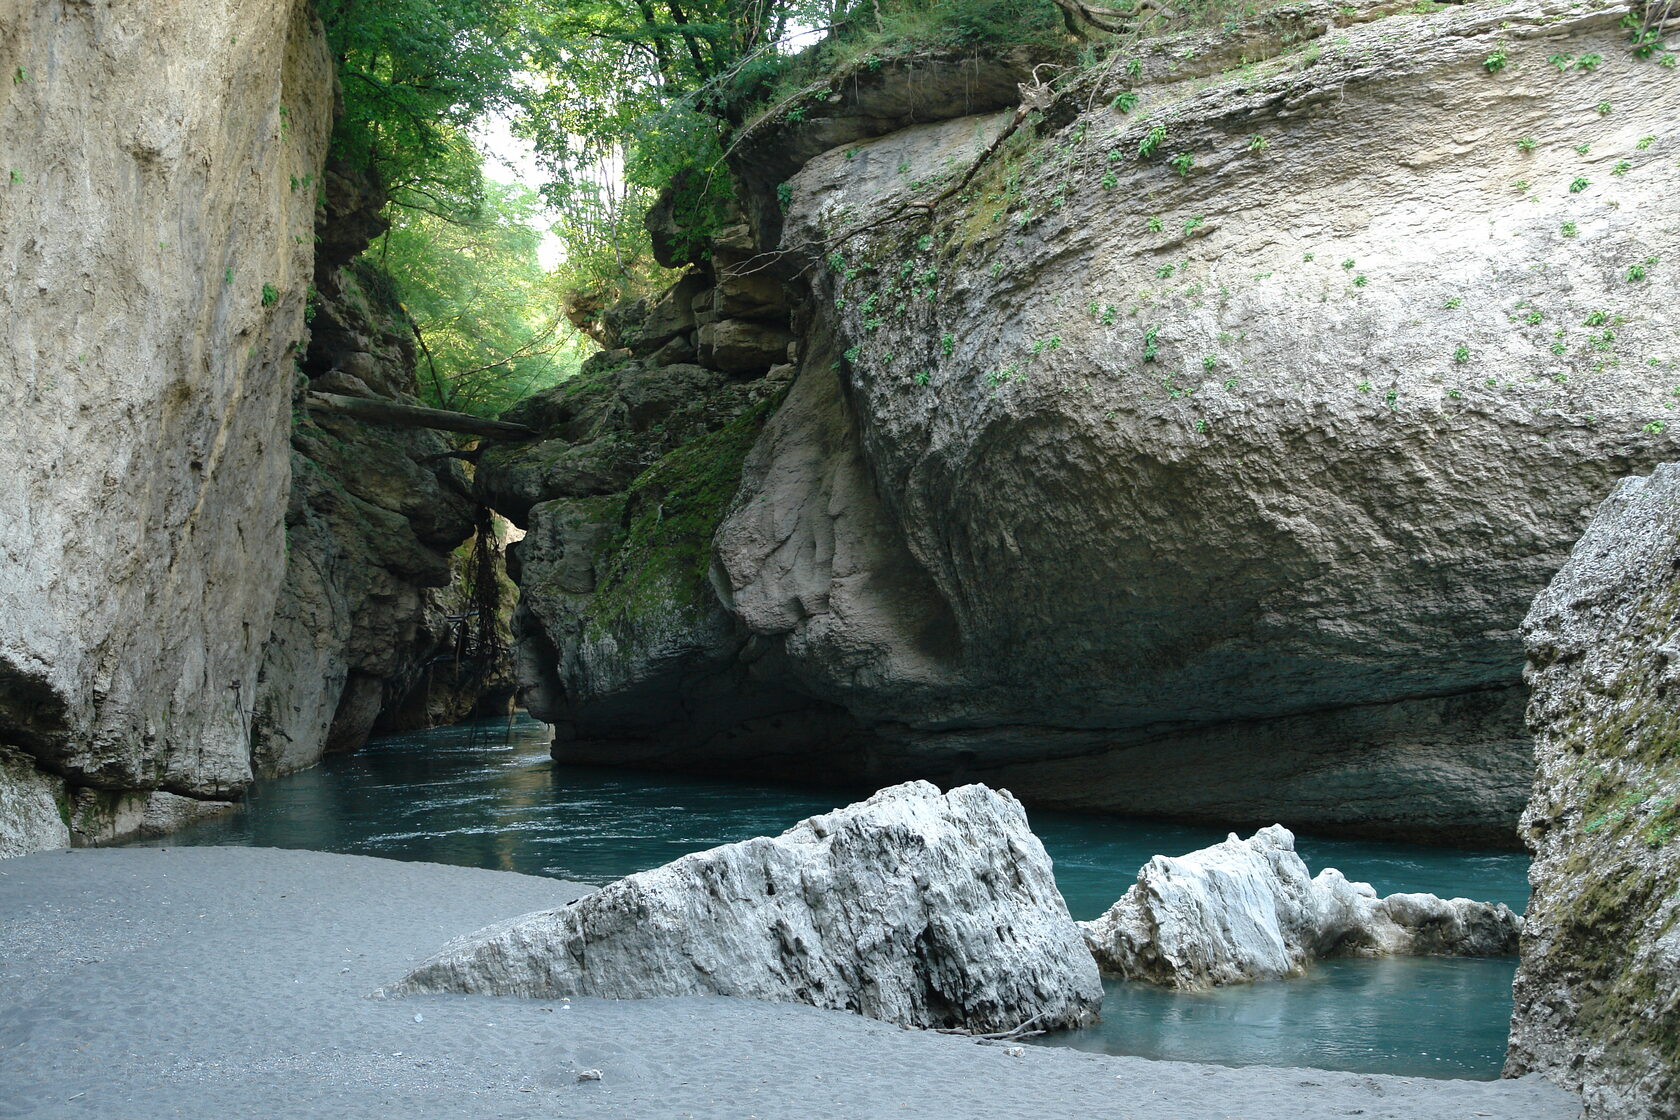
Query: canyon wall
x=1199, y=455
x=156, y=252
x=1596, y=1002
x=371, y=623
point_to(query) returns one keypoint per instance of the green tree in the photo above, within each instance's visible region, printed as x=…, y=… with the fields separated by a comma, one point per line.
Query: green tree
x=488, y=313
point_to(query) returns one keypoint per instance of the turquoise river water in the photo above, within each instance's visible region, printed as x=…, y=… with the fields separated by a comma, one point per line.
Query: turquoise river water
x=488, y=795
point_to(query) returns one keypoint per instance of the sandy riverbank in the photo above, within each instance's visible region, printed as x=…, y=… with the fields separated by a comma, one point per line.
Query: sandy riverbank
x=232, y=982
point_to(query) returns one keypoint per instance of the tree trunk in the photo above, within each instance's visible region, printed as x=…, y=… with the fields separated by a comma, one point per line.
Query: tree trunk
x=395, y=415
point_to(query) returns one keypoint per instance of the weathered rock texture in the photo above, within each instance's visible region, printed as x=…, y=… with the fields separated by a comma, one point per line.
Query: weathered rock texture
x=915, y=907
x=1191, y=494
x=371, y=625
x=154, y=264
x=1247, y=910
x=1598, y=989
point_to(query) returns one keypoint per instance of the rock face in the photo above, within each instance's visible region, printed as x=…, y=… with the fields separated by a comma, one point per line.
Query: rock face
x=1596, y=992
x=1246, y=910
x=154, y=265
x=914, y=907
x=370, y=617
x=1195, y=494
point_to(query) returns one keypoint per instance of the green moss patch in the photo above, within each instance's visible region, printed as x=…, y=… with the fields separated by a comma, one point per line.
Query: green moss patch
x=657, y=564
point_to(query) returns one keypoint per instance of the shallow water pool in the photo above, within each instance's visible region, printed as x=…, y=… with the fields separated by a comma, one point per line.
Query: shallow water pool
x=486, y=794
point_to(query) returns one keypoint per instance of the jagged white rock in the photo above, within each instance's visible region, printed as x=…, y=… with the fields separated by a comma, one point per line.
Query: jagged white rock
x=1247, y=910
x=914, y=907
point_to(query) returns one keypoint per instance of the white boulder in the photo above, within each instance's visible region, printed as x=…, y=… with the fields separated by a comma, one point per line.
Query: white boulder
x=1247, y=910
x=914, y=907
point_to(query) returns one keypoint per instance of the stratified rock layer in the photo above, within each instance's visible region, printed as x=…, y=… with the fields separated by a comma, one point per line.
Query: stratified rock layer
x=1598, y=989
x=915, y=907
x=155, y=257
x=1247, y=910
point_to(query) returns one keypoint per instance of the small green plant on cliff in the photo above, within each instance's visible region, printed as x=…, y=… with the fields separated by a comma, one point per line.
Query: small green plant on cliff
x=1579, y=185
x=784, y=195
x=1150, y=348
x=1360, y=281
x=1596, y=318
x=270, y=295
x=1645, y=142
x=1453, y=302
x=1582, y=149
x=1125, y=101
x=1152, y=141
x=1164, y=271
x=1496, y=61
x=16, y=175
x=1182, y=163
x=1109, y=182
x=1635, y=273
x=1604, y=108
x=1153, y=225
x=1570, y=229
x=1561, y=61
x=947, y=345
x=1461, y=355
x=20, y=76
x=1588, y=62
x=1527, y=143
x=1257, y=143
x=1622, y=167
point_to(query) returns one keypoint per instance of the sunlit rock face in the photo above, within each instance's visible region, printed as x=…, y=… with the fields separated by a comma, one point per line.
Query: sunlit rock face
x=155, y=260
x=916, y=907
x=1595, y=994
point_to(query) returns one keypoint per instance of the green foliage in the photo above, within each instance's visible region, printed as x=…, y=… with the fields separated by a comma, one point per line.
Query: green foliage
x=1151, y=141
x=1125, y=101
x=487, y=312
x=1461, y=355
x=1182, y=163
x=1527, y=143
x=1569, y=229
x=270, y=295
x=1579, y=185
x=413, y=75
x=1496, y=61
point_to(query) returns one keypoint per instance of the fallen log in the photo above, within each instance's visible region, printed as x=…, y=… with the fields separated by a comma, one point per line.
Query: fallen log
x=396, y=415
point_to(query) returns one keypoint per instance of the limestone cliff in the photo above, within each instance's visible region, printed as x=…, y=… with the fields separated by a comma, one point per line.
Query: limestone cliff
x=1200, y=453
x=1598, y=990
x=155, y=259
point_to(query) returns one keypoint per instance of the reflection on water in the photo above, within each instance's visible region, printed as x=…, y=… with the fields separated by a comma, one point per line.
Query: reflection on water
x=486, y=794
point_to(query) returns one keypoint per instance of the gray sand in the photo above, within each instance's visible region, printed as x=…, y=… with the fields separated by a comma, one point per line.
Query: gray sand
x=230, y=982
